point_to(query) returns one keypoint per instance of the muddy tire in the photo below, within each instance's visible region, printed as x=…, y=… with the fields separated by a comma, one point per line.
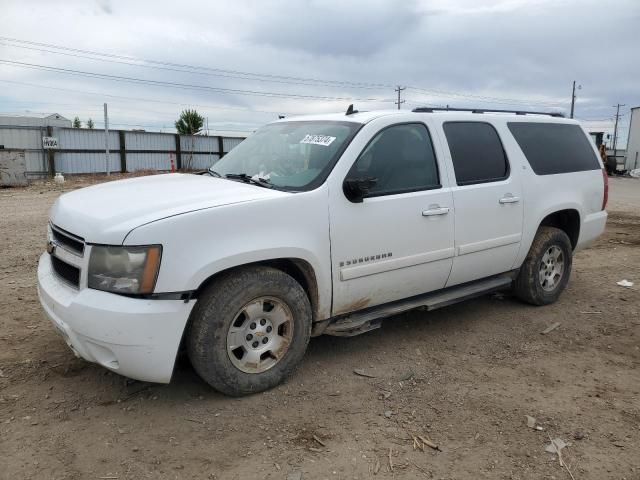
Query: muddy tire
x=546, y=270
x=249, y=330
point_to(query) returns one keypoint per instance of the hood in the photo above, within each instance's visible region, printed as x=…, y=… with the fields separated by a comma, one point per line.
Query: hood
x=106, y=213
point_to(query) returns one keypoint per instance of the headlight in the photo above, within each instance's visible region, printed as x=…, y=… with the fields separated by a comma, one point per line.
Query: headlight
x=124, y=269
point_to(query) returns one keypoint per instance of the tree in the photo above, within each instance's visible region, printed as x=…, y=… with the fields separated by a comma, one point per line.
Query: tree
x=189, y=123
x=90, y=124
x=77, y=123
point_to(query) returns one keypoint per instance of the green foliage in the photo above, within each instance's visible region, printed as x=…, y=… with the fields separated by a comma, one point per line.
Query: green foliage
x=77, y=123
x=90, y=124
x=189, y=123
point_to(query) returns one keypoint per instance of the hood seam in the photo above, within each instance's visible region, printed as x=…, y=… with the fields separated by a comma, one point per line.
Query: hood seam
x=183, y=213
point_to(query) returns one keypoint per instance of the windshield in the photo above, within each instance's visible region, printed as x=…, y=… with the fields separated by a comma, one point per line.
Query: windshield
x=289, y=155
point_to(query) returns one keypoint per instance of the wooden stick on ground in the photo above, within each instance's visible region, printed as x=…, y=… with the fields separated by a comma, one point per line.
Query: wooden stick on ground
x=429, y=443
x=560, y=459
x=550, y=328
x=315, y=437
x=426, y=474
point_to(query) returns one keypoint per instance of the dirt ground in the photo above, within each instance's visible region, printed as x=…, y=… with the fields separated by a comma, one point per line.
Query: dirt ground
x=464, y=376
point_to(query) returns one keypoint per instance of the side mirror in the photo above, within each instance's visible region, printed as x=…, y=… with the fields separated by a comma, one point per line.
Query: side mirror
x=355, y=189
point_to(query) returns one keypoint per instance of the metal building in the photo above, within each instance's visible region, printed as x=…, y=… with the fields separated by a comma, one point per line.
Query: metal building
x=53, y=120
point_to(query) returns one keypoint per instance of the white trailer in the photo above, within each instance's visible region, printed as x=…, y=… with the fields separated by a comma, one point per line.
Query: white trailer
x=632, y=160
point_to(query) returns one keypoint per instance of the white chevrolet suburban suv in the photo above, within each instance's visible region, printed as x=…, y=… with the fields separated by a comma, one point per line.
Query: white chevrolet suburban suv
x=315, y=225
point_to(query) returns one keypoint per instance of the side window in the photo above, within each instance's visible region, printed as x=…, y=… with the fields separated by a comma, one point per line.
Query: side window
x=554, y=148
x=401, y=159
x=476, y=151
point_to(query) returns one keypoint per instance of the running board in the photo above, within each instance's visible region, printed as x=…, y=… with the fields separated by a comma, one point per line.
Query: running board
x=371, y=318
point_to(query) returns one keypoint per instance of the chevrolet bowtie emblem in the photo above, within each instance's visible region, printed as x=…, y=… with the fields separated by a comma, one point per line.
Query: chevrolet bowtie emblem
x=51, y=247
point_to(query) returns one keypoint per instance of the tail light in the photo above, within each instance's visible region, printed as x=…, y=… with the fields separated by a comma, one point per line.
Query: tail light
x=605, y=196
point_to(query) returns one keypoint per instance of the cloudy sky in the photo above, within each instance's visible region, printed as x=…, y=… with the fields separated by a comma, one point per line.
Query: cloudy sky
x=241, y=63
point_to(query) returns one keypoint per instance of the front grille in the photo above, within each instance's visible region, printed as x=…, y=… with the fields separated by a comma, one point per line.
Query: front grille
x=68, y=240
x=67, y=272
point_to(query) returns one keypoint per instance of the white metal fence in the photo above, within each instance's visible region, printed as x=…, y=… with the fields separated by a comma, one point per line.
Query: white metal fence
x=83, y=150
x=28, y=139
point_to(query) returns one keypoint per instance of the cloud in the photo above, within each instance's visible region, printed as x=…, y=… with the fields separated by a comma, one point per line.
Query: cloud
x=471, y=53
x=105, y=6
x=326, y=28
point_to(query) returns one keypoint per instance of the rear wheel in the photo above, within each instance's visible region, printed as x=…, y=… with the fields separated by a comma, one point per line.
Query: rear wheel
x=546, y=270
x=249, y=330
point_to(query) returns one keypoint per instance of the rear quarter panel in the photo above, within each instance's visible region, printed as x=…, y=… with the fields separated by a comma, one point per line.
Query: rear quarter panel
x=546, y=194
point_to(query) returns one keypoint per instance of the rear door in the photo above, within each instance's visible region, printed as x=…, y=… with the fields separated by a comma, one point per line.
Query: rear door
x=488, y=201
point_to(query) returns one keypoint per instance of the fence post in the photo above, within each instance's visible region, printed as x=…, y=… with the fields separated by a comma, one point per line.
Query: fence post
x=45, y=162
x=178, y=152
x=220, y=148
x=123, y=152
x=51, y=154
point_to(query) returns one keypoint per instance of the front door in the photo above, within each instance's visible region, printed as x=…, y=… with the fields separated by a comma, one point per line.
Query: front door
x=397, y=242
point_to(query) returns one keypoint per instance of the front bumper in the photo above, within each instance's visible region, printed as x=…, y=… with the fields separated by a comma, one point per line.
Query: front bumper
x=137, y=338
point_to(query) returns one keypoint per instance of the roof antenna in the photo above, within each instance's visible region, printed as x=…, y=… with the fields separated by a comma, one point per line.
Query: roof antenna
x=350, y=110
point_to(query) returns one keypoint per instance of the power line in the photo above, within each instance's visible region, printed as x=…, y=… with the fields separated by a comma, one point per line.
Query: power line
x=243, y=75
x=610, y=119
x=85, y=107
x=139, y=99
x=98, y=122
x=486, y=99
x=239, y=76
x=159, y=83
x=483, y=97
x=187, y=67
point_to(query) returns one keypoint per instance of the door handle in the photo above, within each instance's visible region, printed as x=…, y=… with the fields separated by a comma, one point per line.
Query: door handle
x=435, y=210
x=509, y=199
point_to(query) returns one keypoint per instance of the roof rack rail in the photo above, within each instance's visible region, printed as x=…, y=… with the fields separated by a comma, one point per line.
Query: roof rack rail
x=483, y=110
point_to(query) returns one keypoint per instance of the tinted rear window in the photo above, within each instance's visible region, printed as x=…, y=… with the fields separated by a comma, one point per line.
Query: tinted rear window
x=554, y=148
x=476, y=151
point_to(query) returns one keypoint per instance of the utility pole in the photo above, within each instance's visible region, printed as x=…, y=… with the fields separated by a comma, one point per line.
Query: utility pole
x=573, y=97
x=615, y=129
x=399, y=89
x=208, y=140
x=106, y=138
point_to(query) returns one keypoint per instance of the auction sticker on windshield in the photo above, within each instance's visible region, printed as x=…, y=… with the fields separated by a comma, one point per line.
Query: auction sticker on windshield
x=324, y=140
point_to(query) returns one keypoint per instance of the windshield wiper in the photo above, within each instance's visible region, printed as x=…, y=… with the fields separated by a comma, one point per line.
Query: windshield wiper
x=261, y=182
x=213, y=173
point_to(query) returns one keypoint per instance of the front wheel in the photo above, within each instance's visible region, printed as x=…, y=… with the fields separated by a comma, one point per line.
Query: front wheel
x=546, y=270
x=249, y=330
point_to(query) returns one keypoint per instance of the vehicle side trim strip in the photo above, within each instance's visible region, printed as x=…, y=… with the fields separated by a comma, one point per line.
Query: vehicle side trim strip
x=487, y=244
x=349, y=273
x=185, y=296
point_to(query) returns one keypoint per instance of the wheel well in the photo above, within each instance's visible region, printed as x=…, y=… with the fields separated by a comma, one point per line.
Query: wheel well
x=566, y=220
x=299, y=269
